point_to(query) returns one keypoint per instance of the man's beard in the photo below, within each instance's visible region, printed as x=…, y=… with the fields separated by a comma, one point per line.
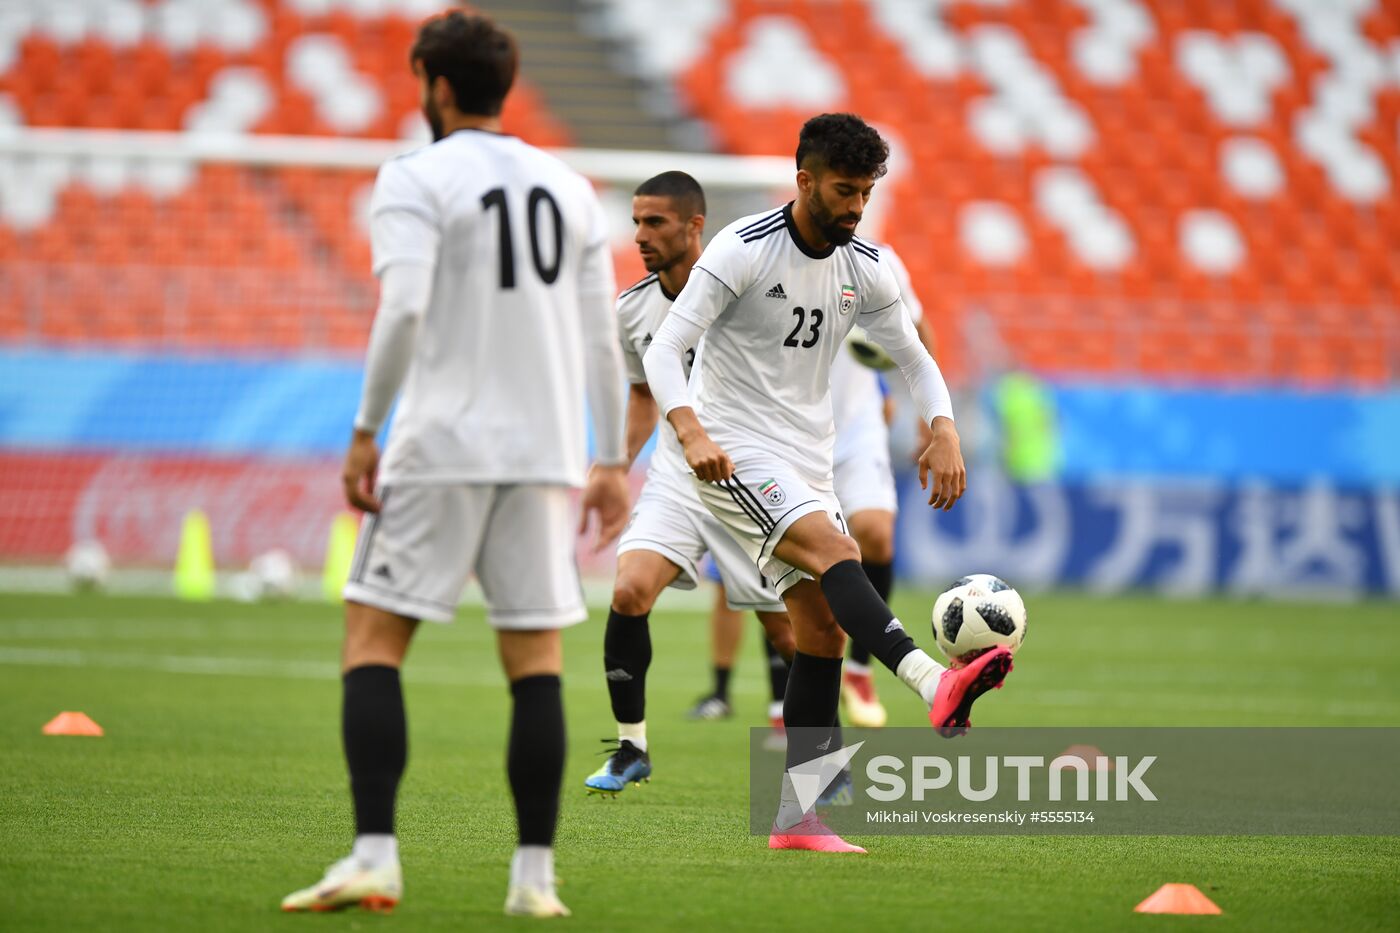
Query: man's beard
x=660, y=262
x=434, y=118
x=828, y=224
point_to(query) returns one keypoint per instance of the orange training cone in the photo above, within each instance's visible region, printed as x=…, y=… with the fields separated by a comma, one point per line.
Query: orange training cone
x=1089, y=754
x=1177, y=899
x=72, y=724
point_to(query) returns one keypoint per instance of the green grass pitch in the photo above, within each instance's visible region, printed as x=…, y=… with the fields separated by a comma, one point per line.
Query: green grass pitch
x=220, y=786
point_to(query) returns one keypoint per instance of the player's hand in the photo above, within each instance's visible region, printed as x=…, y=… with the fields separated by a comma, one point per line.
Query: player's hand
x=607, y=494
x=358, y=474
x=941, y=469
x=709, y=461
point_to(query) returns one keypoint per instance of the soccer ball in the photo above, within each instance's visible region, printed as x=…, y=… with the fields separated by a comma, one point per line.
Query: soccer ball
x=274, y=575
x=866, y=351
x=978, y=612
x=88, y=565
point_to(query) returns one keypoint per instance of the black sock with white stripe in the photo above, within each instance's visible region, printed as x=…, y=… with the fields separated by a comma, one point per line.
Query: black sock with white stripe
x=813, y=695
x=864, y=615
x=882, y=578
x=626, y=657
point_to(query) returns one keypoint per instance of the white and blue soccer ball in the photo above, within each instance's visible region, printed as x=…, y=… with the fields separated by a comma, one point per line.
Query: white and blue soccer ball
x=88, y=565
x=866, y=351
x=976, y=613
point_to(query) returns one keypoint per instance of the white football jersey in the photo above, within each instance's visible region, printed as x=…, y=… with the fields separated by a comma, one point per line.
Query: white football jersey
x=855, y=388
x=518, y=246
x=775, y=313
x=640, y=311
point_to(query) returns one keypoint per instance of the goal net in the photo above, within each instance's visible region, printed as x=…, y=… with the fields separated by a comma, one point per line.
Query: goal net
x=182, y=327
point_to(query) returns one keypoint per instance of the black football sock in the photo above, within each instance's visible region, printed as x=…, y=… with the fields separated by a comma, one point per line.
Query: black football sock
x=722, y=683
x=777, y=670
x=863, y=614
x=813, y=694
x=626, y=657
x=375, y=732
x=882, y=578
x=535, y=756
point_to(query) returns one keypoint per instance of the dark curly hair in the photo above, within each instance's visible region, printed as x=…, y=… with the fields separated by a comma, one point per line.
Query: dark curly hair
x=844, y=142
x=477, y=57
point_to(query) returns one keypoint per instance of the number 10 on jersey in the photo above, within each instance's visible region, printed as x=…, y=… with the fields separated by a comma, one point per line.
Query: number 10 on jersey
x=547, y=271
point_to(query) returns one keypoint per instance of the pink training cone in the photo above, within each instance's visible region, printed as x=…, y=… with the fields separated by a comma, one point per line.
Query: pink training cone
x=70, y=723
x=1177, y=899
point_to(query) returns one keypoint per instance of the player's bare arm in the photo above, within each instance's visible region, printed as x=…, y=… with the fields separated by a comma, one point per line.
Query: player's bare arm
x=703, y=455
x=941, y=468
x=925, y=435
x=642, y=415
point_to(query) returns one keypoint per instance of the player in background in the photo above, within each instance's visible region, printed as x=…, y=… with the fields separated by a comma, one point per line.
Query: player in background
x=669, y=531
x=495, y=286
x=865, y=487
x=726, y=631
x=773, y=296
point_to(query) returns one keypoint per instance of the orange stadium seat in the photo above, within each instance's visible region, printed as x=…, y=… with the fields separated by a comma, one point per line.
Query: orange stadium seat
x=1156, y=155
x=1290, y=276
x=108, y=259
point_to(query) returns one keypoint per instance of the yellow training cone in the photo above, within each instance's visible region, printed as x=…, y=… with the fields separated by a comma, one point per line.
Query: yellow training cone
x=194, y=565
x=340, y=553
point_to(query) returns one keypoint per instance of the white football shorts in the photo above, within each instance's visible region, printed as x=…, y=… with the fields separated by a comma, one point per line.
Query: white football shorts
x=760, y=502
x=863, y=478
x=668, y=520
x=414, y=557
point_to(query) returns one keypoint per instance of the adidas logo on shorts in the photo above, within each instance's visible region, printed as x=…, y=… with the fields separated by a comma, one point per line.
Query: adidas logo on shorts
x=776, y=292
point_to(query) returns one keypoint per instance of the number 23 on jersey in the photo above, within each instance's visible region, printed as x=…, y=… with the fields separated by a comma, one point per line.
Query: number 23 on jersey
x=806, y=329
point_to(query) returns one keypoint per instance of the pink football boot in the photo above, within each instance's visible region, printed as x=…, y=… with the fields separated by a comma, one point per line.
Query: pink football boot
x=812, y=835
x=958, y=687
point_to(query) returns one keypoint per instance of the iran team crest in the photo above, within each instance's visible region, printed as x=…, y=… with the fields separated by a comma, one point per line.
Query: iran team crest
x=771, y=491
x=848, y=298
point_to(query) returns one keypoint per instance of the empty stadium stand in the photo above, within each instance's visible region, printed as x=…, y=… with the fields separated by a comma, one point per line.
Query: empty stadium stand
x=1171, y=190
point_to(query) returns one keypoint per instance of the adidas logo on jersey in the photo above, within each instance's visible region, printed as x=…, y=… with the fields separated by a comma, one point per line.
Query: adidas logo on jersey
x=776, y=292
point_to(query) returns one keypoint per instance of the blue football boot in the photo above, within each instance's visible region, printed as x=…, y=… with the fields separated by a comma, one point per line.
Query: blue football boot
x=626, y=765
x=840, y=793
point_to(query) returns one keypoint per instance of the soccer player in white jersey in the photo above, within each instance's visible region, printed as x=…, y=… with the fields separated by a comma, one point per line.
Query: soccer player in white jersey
x=670, y=531
x=773, y=296
x=865, y=488
x=494, y=316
